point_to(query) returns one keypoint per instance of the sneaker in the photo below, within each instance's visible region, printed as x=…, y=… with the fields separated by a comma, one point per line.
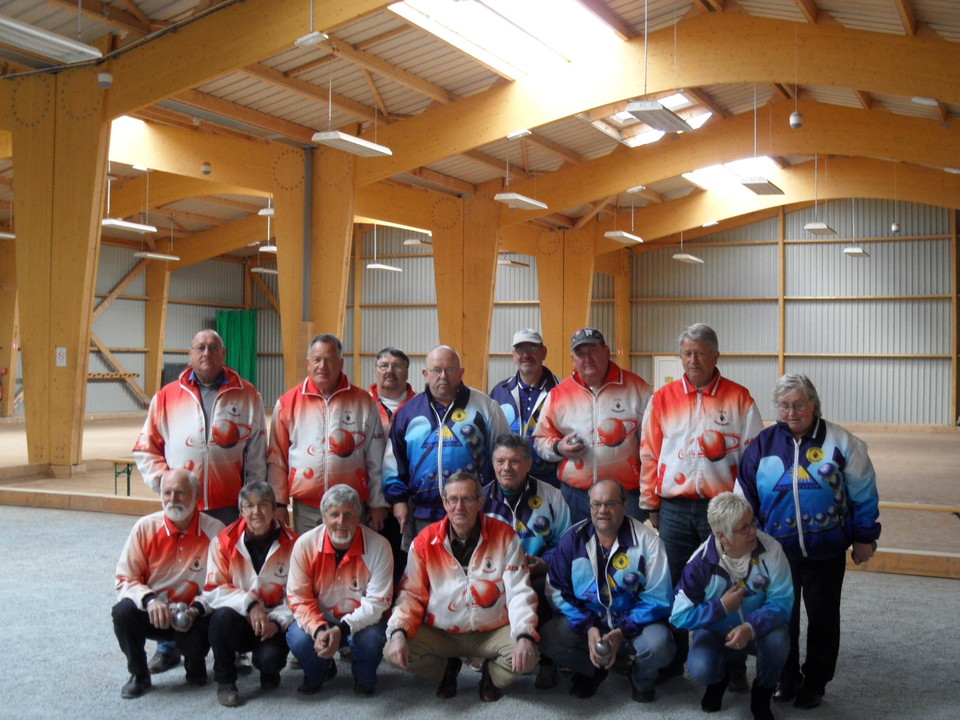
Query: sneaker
x=161, y=662
x=228, y=695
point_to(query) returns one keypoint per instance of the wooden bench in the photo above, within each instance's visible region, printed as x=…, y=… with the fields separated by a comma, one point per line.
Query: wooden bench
x=121, y=466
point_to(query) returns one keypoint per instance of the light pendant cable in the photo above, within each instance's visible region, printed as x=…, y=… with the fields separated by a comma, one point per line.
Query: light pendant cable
x=377, y=265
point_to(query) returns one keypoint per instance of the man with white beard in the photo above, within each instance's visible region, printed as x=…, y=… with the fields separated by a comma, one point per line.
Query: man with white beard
x=164, y=562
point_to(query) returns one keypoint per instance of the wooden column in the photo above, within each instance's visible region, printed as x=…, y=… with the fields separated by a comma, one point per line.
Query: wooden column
x=8, y=326
x=60, y=143
x=289, y=187
x=155, y=325
x=480, y=242
x=619, y=265
x=565, y=264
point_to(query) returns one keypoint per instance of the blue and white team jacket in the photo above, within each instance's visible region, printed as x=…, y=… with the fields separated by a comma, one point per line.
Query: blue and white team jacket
x=540, y=518
x=767, y=598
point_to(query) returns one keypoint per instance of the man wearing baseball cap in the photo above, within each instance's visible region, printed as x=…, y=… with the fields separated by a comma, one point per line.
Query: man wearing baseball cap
x=521, y=396
x=590, y=424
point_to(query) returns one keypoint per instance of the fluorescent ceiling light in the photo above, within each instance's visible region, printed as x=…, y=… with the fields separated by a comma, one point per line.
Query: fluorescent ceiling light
x=351, y=144
x=264, y=271
x=952, y=170
x=45, y=43
x=855, y=251
x=141, y=168
x=427, y=242
x=266, y=212
x=820, y=229
x=761, y=186
x=687, y=258
x=622, y=236
x=753, y=166
x=7, y=235
x=512, y=263
x=310, y=39
x=381, y=266
x=635, y=189
x=519, y=202
x=147, y=255
x=513, y=38
x=928, y=101
x=267, y=248
x=710, y=224
x=517, y=134
x=657, y=116
x=124, y=225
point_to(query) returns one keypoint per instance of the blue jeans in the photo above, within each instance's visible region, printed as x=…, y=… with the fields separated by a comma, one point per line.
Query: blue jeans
x=579, y=503
x=709, y=656
x=652, y=650
x=366, y=647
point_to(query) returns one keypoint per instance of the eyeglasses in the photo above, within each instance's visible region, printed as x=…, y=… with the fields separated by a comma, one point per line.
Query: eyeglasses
x=798, y=406
x=464, y=500
x=383, y=367
x=449, y=372
x=264, y=505
x=525, y=348
x=206, y=348
x=745, y=529
x=612, y=505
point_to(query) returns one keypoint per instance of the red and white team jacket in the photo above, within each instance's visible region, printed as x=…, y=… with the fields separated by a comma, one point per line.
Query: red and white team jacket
x=494, y=591
x=317, y=443
x=232, y=582
x=358, y=591
x=608, y=423
x=386, y=419
x=693, y=441
x=158, y=558
x=175, y=436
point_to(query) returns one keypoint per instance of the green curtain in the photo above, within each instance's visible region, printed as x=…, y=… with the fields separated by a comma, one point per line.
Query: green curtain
x=238, y=328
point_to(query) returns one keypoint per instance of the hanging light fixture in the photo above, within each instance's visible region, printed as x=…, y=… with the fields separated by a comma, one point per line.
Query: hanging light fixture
x=817, y=227
x=894, y=226
x=122, y=224
x=154, y=255
x=854, y=250
x=314, y=37
x=45, y=43
x=510, y=262
x=376, y=264
x=266, y=246
x=651, y=112
x=513, y=199
x=264, y=271
x=686, y=257
x=759, y=185
x=622, y=236
x=341, y=140
x=796, y=119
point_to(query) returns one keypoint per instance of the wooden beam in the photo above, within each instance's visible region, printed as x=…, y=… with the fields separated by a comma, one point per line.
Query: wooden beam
x=620, y=26
x=118, y=366
x=564, y=153
x=243, y=114
x=267, y=292
x=377, y=96
x=136, y=25
x=701, y=96
x=711, y=5
x=809, y=10
x=446, y=181
x=864, y=98
x=155, y=325
x=216, y=241
x=119, y=288
x=908, y=18
x=592, y=212
x=9, y=334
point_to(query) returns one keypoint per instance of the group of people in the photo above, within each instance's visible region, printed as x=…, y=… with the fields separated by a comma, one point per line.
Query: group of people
x=585, y=523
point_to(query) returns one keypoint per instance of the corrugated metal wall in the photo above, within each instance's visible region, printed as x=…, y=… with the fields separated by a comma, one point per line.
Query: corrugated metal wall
x=516, y=306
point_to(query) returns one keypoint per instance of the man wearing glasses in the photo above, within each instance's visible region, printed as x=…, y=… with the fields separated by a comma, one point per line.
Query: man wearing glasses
x=465, y=593
x=209, y=421
x=521, y=396
x=391, y=390
x=609, y=582
x=447, y=428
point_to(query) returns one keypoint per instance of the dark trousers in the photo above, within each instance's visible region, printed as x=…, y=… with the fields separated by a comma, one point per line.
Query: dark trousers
x=132, y=628
x=391, y=532
x=230, y=633
x=819, y=583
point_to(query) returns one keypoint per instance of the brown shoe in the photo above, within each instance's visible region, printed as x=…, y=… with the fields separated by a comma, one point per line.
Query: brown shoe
x=448, y=685
x=488, y=691
x=228, y=695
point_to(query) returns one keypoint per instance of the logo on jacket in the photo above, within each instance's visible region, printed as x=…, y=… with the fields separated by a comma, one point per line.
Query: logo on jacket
x=722, y=418
x=618, y=405
x=804, y=481
x=196, y=565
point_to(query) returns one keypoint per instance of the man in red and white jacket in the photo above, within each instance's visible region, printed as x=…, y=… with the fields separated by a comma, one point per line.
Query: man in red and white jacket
x=590, y=423
x=466, y=593
x=391, y=390
x=325, y=432
x=246, y=590
x=165, y=561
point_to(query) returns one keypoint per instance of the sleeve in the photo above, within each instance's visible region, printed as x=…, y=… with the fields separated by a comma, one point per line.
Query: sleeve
x=546, y=433
x=277, y=454
x=374, y=457
x=411, y=605
x=656, y=600
x=149, y=450
x=778, y=606
x=561, y=518
x=255, y=452
x=651, y=442
x=746, y=485
x=282, y=615
x=861, y=481
x=379, y=591
x=396, y=468
x=520, y=596
x=560, y=589
x=219, y=590
x=498, y=424
x=691, y=607
x=752, y=424
x=132, y=568
x=301, y=596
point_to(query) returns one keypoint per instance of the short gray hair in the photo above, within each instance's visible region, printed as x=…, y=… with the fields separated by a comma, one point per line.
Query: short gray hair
x=700, y=332
x=326, y=338
x=463, y=476
x=340, y=495
x=725, y=511
x=790, y=383
x=192, y=478
x=256, y=489
x=513, y=441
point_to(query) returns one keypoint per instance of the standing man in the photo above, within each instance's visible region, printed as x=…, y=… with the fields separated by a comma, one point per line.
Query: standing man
x=340, y=586
x=521, y=396
x=466, y=593
x=447, y=428
x=165, y=561
x=694, y=433
x=591, y=424
x=325, y=432
x=391, y=389
x=610, y=585
x=247, y=574
x=209, y=421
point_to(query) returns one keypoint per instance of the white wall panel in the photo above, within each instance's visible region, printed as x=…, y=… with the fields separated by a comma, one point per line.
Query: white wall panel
x=874, y=218
x=412, y=329
x=740, y=327
x=115, y=264
x=517, y=283
x=212, y=281
x=507, y=319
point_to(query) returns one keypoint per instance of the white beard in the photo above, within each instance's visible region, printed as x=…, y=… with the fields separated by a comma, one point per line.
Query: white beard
x=177, y=513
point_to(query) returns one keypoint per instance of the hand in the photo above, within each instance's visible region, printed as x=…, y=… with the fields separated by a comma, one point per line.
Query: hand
x=399, y=652
x=401, y=511
x=282, y=514
x=263, y=627
x=327, y=642
x=572, y=446
x=193, y=615
x=862, y=552
x=614, y=637
x=739, y=637
x=654, y=518
x=377, y=516
x=159, y=614
x=732, y=598
x=537, y=566
x=523, y=656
